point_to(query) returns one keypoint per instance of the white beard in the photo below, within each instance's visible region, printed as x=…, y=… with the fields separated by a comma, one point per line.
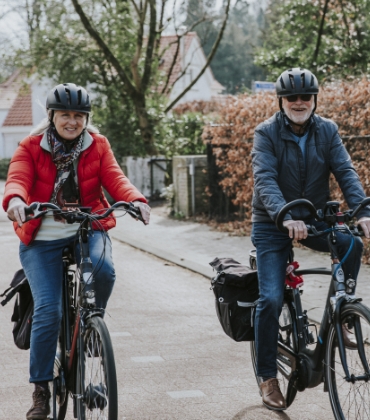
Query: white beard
x=299, y=117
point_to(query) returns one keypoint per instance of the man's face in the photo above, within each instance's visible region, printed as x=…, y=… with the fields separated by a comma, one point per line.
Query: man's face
x=299, y=111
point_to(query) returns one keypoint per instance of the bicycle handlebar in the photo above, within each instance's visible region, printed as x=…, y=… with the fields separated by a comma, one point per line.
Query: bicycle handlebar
x=78, y=214
x=330, y=214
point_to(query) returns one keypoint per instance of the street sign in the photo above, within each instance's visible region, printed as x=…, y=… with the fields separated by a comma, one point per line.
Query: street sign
x=263, y=87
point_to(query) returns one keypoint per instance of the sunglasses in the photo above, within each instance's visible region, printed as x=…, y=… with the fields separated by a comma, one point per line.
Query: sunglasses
x=305, y=98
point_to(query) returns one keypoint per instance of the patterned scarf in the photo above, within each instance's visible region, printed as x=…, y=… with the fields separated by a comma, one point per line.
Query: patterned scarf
x=63, y=159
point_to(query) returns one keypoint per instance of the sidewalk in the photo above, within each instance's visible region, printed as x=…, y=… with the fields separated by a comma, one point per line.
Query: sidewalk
x=193, y=246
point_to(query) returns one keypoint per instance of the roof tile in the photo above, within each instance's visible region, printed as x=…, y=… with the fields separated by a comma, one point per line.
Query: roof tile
x=168, y=44
x=20, y=113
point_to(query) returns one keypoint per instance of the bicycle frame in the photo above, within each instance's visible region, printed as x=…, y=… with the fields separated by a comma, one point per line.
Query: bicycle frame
x=307, y=364
x=80, y=313
x=335, y=304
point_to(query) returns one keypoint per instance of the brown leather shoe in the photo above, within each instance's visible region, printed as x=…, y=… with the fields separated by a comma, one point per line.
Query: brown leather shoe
x=40, y=408
x=272, y=397
x=349, y=338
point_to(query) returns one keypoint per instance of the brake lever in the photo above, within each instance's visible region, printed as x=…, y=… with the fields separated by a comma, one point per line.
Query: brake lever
x=357, y=231
x=134, y=212
x=34, y=211
x=313, y=231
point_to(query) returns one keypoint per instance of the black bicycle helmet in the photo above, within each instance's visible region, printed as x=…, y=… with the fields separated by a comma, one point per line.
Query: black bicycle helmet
x=296, y=81
x=68, y=96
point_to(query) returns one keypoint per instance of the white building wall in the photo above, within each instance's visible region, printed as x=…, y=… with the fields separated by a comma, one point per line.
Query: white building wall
x=3, y=114
x=202, y=90
x=40, y=89
x=12, y=136
x=138, y=171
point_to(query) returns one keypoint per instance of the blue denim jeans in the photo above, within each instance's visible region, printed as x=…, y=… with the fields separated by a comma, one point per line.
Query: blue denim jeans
x=42, y=263
x=273, y=248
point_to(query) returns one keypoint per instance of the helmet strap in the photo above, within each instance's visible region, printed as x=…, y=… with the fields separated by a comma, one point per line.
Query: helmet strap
x=314, y=108
x=52, y=118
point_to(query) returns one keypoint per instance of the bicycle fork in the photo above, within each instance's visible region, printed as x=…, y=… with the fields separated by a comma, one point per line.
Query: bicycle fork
x=337, y=320
x=337, y=300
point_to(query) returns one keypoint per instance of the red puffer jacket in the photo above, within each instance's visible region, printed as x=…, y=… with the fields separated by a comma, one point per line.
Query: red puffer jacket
x=32, y=175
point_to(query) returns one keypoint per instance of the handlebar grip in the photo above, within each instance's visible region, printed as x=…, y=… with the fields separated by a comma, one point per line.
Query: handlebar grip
x=365, y=202
x=135, y=212
x=30, y=209
x=300, y=202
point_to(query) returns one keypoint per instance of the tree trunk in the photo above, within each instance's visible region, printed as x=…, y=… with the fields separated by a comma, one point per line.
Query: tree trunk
x=319, y=35
x=145, y=125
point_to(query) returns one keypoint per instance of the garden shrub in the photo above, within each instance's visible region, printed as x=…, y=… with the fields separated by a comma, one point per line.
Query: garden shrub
x=347, y=103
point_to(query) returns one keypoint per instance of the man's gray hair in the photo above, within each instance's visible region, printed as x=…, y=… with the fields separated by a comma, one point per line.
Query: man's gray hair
x=45, y=125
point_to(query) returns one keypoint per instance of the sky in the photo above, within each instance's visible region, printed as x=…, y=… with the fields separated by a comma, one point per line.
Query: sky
x=13, y=27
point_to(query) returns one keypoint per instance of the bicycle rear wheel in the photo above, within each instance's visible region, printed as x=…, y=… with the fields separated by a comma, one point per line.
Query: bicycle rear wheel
x=285, y=369
x=96, y=376
x=349, y=400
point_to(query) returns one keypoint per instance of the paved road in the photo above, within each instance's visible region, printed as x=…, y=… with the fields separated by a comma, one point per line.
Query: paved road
x=173, y=360
x=194, y=245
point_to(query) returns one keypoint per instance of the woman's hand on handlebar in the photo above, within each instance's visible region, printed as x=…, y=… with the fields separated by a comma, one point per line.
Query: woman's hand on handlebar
x=16, y=210
x=297, y=229
x=364, y=222
x=144, y=210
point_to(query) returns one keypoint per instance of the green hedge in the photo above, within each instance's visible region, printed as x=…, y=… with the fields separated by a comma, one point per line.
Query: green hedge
x=4, y=166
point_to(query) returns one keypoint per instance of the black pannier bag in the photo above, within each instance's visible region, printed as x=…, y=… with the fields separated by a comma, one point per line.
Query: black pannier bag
x=23, y=309
x=236, y=296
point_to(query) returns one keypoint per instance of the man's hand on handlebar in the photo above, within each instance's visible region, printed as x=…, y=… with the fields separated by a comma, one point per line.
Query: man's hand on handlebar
x=144, y=210
x=297, y=229
x=16, y=211
x=364, y=222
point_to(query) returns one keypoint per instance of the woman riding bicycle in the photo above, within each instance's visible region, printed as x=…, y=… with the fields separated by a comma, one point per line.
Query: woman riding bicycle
x=293, y=154
x=67, y=162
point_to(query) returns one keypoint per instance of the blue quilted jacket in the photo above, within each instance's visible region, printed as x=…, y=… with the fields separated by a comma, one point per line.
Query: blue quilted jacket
x=281, y=175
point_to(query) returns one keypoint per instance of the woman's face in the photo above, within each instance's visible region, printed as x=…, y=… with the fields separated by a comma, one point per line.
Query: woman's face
x=69, y=124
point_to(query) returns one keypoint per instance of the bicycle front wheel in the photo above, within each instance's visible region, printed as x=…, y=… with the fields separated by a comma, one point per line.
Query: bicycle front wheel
x=285, y=368
x=59, y=392
x=96, y=375
x=349, y=400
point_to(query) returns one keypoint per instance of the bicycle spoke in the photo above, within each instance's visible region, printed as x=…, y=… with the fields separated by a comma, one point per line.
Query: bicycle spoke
x=350, y=401
x=99, y=381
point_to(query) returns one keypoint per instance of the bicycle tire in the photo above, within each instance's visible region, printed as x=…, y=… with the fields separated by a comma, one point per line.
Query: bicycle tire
x=348, y=400
x=96, y=375
x=59, y=386
x=284, y=373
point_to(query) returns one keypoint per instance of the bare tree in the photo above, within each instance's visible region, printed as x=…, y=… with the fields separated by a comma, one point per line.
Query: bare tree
x=138, y=78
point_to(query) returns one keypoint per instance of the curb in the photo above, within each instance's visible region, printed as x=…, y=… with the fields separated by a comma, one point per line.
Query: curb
x=163, y=254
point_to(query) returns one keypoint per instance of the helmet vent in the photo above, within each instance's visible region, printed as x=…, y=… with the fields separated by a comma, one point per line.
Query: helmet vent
x=79, y=94
x=68, y=92
x=56, y=94
x=282, y=83
x=291, y=78
x=312, y=81
x=303, y=79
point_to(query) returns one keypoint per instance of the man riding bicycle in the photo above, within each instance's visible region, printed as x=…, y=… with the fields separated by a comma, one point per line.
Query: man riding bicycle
x=293, y=154
x=67, y=162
